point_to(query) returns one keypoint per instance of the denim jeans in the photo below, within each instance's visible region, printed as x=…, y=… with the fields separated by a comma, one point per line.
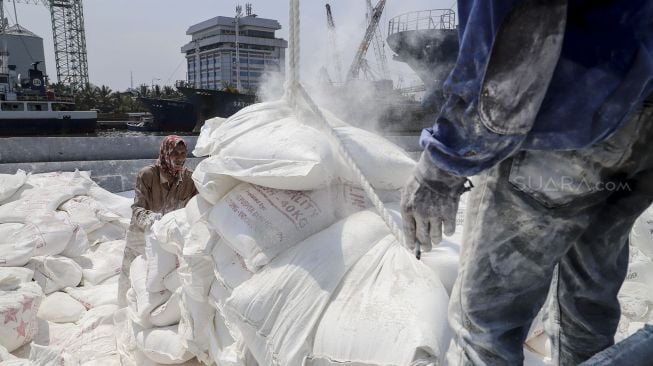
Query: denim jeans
x=636, y=350
x=550, y=220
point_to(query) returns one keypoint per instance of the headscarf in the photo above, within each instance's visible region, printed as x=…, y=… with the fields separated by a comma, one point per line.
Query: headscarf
x=168, y=145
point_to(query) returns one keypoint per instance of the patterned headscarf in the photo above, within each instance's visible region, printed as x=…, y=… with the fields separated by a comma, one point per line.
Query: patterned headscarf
x=168, y=145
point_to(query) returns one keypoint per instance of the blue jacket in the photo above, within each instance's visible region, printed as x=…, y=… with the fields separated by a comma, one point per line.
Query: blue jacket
x=533, y=76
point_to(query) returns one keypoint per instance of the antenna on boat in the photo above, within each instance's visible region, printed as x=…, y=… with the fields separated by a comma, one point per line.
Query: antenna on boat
x=239, y=14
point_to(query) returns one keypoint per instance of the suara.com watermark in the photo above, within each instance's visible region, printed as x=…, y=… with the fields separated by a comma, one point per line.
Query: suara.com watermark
x=567, y=184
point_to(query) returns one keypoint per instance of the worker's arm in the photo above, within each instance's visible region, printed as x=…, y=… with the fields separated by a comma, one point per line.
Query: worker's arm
x=142, y=216
x=508, y=52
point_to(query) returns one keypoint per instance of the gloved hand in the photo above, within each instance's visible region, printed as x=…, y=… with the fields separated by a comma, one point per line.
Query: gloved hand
x=151, y=218
x=145, y=218
x=429, y=202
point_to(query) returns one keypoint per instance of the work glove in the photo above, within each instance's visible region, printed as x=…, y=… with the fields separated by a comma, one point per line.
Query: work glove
x=429, y=204
x=151, y=218
x=146, y=218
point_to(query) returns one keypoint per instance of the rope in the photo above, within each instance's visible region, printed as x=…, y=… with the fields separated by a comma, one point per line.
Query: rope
x=294, y=49
x=294, y=88
x=351, y=163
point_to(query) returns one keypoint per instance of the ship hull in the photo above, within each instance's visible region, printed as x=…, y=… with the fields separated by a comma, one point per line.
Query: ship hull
x=216, y=103
x=34, y=123
x=170, y=114
x=46, y=126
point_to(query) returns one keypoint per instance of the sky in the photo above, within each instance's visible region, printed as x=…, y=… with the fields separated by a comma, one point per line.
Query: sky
x=144, y=37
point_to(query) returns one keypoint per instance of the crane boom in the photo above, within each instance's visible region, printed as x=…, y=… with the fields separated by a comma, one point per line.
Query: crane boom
x=333, y=44
x=375, y=17
x=377, y=43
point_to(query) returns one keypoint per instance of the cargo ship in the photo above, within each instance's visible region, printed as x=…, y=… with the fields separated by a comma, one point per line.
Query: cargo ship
x=188, y=114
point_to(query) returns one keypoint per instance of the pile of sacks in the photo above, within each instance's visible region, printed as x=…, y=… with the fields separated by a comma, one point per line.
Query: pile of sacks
x=61, y=246
x=280, y=260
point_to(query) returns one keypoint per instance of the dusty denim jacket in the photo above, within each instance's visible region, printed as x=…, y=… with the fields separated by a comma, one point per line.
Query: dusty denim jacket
x=540, y=75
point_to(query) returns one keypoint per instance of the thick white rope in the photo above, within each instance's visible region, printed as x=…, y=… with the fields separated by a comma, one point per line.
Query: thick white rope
x=294, y=50
x=295, y=89
x=351, y=163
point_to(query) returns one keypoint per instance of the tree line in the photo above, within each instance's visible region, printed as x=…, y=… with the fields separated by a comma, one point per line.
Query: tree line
x=106, y=100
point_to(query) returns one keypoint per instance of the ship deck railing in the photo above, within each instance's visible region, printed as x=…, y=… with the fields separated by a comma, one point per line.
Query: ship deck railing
x=45, y=98
x=423, y=20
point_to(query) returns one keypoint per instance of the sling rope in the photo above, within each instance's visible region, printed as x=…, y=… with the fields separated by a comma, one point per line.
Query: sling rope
x=295, y=91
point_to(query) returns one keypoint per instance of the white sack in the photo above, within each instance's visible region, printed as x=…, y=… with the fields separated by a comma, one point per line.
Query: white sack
x=197, y=209
x=94, y=339
x=88, y=213
x=9, y=183
x=146, y=301
x=54, y=273
x=162, y=345
x=259, y=223
x=204, y=144
x=211, y=186
x=195, y=326
x=77, y=245
x=159, y=263
x=230, y=268
x=18, y=243
x=390, y=309
x=268, y=144
x=95, y=296
x=170, y=231
x=103, y=261
x=18, y=309
x=641, y=272
x=171, y=281
x=169, y=313
x=641, y=235
x=113, y=202
x=444, y=260
x=278, y=307
x=636, y=300
x=59, y=307
x=201, y=239
x=42, y=195
x=116, y=230
x=196, y=275
x=23, y=275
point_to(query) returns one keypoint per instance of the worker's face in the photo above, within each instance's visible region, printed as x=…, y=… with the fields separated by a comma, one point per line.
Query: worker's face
x=178, y=156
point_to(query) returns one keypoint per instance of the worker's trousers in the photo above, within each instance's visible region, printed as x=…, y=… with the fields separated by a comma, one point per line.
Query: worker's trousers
x=554, y=220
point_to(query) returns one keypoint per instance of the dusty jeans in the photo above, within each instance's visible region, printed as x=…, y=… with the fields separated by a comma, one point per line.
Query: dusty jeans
x=636, y=350
x=542, y=213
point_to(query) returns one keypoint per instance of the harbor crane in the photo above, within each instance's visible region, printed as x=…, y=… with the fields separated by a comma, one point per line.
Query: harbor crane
x=357, y=63
x=69, y=39
x=333, y=44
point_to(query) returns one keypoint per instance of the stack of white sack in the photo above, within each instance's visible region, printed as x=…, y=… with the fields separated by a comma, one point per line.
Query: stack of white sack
x=59, y=231
x=304, y=271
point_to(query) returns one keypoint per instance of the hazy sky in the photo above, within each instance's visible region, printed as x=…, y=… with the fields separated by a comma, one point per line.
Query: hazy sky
x=145, y=36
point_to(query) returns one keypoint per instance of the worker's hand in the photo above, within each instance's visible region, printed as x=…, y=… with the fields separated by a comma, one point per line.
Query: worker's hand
x=151, y=218
x=429, y=203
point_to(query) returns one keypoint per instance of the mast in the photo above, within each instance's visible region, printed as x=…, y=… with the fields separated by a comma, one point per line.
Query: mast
x=239, y=13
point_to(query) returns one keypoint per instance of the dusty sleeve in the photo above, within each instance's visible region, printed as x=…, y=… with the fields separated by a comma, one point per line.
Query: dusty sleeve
x=142, y=198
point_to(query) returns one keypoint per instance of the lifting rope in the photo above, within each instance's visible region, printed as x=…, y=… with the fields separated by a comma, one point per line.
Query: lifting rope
x=295, y=92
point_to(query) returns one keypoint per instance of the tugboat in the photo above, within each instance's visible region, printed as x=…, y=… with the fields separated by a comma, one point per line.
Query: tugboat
x=29, y=110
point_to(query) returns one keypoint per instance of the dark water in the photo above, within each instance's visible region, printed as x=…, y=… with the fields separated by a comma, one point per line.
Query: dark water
x=128, y=133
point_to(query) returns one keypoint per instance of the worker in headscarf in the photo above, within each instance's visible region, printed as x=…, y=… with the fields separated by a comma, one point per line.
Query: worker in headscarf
x=162, y=187
x=549, y=106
